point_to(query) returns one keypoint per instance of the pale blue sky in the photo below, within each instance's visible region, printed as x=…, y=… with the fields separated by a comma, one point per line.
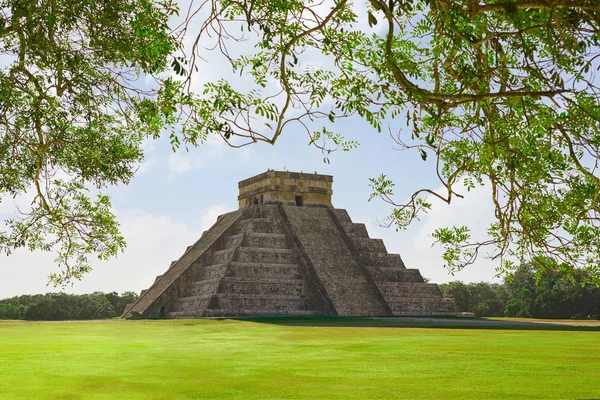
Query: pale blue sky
x=174, y=197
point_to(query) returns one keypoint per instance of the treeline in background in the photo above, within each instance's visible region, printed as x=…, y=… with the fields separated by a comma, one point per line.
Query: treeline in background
x=63, y=306
x=529, y=292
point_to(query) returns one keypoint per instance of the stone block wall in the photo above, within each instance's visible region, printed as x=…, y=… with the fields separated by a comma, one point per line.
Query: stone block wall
x=289, y=188
x=404, y=290
x=346, y=283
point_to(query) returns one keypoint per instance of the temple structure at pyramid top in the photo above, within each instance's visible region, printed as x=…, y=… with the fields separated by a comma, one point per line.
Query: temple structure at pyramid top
x=286, y=188
x=288, y=251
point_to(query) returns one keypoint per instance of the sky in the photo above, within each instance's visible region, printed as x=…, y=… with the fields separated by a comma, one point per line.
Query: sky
x=174, y=197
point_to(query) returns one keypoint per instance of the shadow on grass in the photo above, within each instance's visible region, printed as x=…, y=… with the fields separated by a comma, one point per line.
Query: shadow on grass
x=428, y=322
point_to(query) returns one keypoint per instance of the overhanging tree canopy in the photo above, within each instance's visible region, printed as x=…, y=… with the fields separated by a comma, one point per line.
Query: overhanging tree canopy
x=498, y=93
x=73, y=115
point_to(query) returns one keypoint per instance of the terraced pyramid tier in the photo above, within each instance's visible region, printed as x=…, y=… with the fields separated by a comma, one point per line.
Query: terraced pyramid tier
x=286, y=260
x=277, y=258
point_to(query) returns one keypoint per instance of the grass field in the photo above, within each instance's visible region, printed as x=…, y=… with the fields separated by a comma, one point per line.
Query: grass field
x=286, y=358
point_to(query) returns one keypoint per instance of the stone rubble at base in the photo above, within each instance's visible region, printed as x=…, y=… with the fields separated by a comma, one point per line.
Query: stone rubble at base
x=288, y=252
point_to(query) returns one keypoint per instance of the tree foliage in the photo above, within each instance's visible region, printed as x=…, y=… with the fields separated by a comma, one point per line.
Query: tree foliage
x=72, y=117
x=531, y=290
x=482, y=298
x=551, y=293
x=8, y=311
x=490, y=93
x=62, y=306
x=496, y=93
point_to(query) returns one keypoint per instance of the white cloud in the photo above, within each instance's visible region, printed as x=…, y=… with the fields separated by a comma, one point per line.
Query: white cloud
x=10, y=207
x=182, y=161
x=153, y=241
x=6, y=60
x=149, y=148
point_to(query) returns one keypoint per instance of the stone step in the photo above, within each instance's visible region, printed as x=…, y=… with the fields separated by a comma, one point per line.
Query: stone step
x=254, y=239
x=355, y=230
x=395, y=274
x=223, y=256
x=342, y=216
x=244, y=302
x=246, y=285
x=213, y=271
x=204, y=286
x=232, y=241
x=369, y=245
x=262, y=312
x=265, y=255
x=200, y=313
x=192, y=303
x=392, y=290
x=260, y=225
x=196, y=297
x=251, y=270
x=254, y=254
x=262, y=211
x=263, y=271
x=381, y=259
x=288, y=287
x=423, y=306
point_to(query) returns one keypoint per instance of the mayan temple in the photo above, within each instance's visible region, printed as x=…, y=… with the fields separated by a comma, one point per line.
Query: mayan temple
x=288, y=251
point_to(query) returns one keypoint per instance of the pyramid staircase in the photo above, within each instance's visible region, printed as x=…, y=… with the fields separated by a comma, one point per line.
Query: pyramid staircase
x=404, y=290
x=255, y=272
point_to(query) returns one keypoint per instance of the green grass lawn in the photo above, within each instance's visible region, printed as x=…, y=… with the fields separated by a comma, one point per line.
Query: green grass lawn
x=271, y=359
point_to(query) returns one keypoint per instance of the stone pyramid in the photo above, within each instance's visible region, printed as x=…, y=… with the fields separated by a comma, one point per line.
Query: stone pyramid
x=287, y=251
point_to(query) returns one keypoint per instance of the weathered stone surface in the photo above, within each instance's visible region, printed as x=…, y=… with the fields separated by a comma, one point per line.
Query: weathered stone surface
x=346, y=283
x=395, y=274
x=411, y=306
x=168, y=288
x=280, y=258
x=289, y=188
x=404, y=290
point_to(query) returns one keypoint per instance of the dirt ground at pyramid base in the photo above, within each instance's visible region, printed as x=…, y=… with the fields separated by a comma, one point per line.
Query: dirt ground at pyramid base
x=317, y=358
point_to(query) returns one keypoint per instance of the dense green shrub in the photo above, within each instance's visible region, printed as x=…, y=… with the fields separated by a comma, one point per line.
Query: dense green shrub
x=8, y=311
x=482, y=298
x=62, y=306
x=514, y=308
x=548, y=294
x=120, y=301
x=71, y=307
x=46, y=309
x=529, y=291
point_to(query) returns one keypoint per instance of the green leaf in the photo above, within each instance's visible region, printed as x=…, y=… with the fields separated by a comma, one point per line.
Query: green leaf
x=372, y=19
